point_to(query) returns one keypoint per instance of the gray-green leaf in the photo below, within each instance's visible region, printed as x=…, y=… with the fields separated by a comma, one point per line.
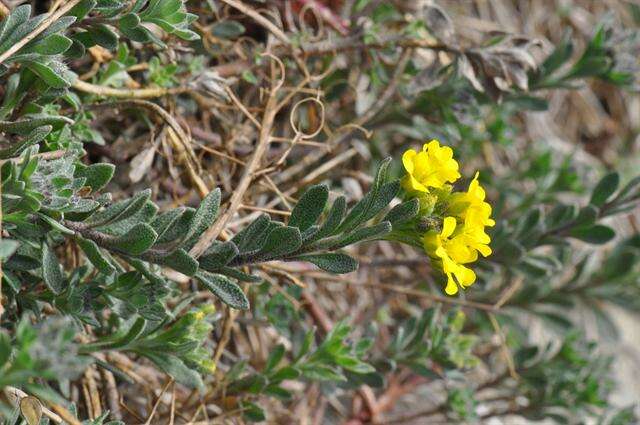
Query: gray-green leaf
x=281, y=241
x=92, y=251
x=136, y=241
x=597, y=234
x=309, y=207
x=218, y=255
x=332, y=262
x=51, y=271
x=604, y=189
x=222, y=287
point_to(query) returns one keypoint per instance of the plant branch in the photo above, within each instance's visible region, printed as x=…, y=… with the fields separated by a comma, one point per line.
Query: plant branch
x=356, y=42
x=107, y=241
x=144, y=93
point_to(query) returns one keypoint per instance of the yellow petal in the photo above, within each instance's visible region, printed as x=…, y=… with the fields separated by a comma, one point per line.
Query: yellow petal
x=440, y=252
x=407, y=160
x=478, y=235
x=448, y=226
x=444, y=154
x=458, y=250
x=451, y=175
x=465, y=276
x=433, y=181
x=431, y=146
x=416, y=185
x=451, y=288
x=421, y=165
x=485, y=250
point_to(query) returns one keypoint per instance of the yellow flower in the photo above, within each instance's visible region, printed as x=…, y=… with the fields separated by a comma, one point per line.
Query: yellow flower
x=433, y=167
x=474, y=237
x=453, y=252
x=470, y=205
x=204, y=311
x=208, y=366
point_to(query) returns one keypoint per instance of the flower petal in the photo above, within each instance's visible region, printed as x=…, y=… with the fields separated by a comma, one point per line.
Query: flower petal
x=485, y=250
x=407, y=160
x=451, y=288
x=448, y=226
x=416, y=185
x=432, y=146
x=465, y=276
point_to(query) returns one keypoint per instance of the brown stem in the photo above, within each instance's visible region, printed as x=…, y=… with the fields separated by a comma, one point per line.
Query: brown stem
x=144, y=93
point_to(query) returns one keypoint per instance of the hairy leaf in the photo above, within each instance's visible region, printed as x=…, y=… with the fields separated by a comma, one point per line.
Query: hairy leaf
x=97, y=175
x=222, y=287
x=180, y=261
x=218, y=255
x=332, y=262
x=203, y=217
x=252, y=237
x=309, y=207
x=120, y=210
x=281, y=241
x=403, y=212
x=92, y=251
x=136, y=241
x=51, y=271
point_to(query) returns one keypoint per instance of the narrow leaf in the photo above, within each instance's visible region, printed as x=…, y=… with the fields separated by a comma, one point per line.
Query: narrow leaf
x=366, y=233
x=165, y=221
x=252, y=237
x=332, y=262
x=237, y=274
x=49, y=75
x=281, y=241
x=97, y=175
x=218, y=255
x=204, y=217
x=403, y=212
x=597, y=234
x=604, y=189
x=120, y=210
x=222, y=287
x=334, y=217
x=136, y=241
x=51, y=271
x=180, y=261
x=92, y=251
x=309, y=207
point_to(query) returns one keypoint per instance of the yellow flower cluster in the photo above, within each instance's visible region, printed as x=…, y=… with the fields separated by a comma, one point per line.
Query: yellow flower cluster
x=432, y=167
x=466, y=215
